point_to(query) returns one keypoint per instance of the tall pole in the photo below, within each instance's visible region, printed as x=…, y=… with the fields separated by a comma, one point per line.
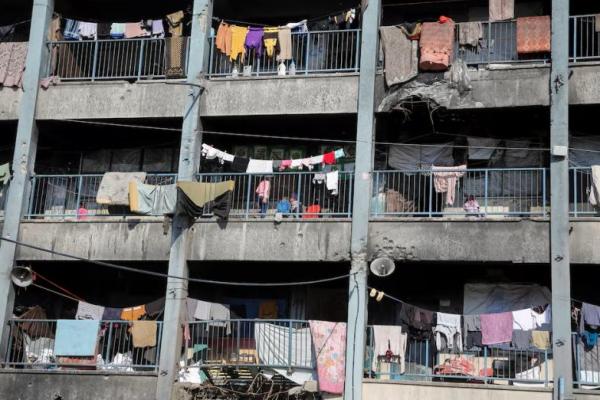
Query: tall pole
x=559, y=200
x=189, y=164
x=365, y=135
x=24, y=155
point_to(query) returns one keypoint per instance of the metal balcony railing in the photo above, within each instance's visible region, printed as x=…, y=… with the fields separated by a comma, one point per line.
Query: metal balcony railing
x=312, y=53
x=61, y=196
x=488, y=365
x=31, y=346
x=284, y=344
x=308, y=198
x=130, y=59
x=499, y=192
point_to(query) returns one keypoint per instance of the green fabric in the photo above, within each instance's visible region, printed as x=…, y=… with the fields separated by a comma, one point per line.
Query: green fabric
x=4, y=173
x=201, y=193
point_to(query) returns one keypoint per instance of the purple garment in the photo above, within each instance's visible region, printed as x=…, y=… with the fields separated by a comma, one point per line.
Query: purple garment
x=496, y=328
x=254, y=40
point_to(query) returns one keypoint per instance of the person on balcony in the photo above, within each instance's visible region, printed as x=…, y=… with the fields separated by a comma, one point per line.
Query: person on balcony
x=284, y=207
x=263, y=191
x=472, y=207
x=313, y=210
x=82, y=212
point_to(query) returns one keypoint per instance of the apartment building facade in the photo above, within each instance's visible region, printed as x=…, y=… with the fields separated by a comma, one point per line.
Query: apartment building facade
x=473, y=177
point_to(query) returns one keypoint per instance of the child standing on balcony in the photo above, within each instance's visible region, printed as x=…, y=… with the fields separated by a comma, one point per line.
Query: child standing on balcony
x=472, y=206
x=263, y=191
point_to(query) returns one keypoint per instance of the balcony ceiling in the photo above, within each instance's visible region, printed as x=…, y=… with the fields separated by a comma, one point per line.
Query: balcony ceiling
x=131, y=10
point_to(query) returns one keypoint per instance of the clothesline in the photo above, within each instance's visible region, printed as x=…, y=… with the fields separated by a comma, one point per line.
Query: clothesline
x=383, y=294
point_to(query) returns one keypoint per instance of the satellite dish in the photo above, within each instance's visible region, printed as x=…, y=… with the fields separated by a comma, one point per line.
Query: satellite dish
x=383, y=266
x=21, y=276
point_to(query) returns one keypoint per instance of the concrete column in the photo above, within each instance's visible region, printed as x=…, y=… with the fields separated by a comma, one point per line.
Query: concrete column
x=189, y=165
x=24, y=155
x=559, y=223
x=365, y=135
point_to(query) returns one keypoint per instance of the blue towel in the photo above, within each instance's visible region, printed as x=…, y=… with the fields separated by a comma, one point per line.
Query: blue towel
x=76, y=338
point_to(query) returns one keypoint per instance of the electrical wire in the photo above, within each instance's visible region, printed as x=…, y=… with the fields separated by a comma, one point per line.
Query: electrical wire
x=169, y=276
x=38, y=275
x=305, y=139
x=56, y=293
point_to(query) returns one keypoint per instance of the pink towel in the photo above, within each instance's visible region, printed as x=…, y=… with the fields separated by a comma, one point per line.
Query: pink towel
x=496, y=328
x=329, y=339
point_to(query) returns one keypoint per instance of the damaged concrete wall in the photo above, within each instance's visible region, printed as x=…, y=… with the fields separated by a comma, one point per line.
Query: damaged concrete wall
x=9, y=103
x=40, y=385
x=500, y=85
x=325, y=240
x=505, y=240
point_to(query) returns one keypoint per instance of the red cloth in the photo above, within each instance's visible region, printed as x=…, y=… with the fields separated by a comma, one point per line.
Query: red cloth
x=312, y=211
x=533, y=35
x=329, y=158
x=437, y=45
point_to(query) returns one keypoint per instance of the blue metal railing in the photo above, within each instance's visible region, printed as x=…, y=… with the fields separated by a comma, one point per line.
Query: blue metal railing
x=312, y=53
x=31, y=346
x=309, y=198
x=498, y=192
x=131, y=59
x=485, y=365
x=61, y=196
x=281, y=344
x=499, y=43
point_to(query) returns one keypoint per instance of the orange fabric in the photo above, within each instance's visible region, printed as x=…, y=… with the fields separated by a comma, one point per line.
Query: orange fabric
x=238, y=40
x=223, y=39
x=533, y=35
x=133, y=313
x=312, y=211
x=437, y=45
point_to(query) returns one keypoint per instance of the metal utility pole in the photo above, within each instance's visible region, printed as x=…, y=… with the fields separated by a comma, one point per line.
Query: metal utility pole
x=559, y=200
x=189, y=164
x=24, y=155
x=365, y=135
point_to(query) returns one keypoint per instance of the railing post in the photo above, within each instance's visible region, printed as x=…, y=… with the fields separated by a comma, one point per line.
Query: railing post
x=544, y=212
x=351, y=195
x=485, y=368
x=575, y=191
x=376, y=191
x=489, y=44
x=546, y=368
x=95, y=60
x=307, y=55
x=32, y=190
x=211, y=52
x=290, y=338
x=238, y=344
x=141, y=61
x=431, y=195
x=158, y=341
x=109, y=345
x=248, y=195
x=79, y=188
x=11, y=327
x=357, y=51
x=299, y=209
x=486, y=186
x=574, y=19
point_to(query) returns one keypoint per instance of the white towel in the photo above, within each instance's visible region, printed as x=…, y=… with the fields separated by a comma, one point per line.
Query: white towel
x=260, y=167
x=332, y=182
x=389, y=338
x=89, y=311
x=595, y=189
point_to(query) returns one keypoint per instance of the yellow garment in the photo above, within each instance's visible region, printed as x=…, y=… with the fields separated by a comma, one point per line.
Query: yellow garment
x=270, y=40
x=175, y=21
x=238, y=39
x=201, y=193
x=541, y=339
x=285, y=44
x=143, y=333
x=133, y=313
x=268, y=310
